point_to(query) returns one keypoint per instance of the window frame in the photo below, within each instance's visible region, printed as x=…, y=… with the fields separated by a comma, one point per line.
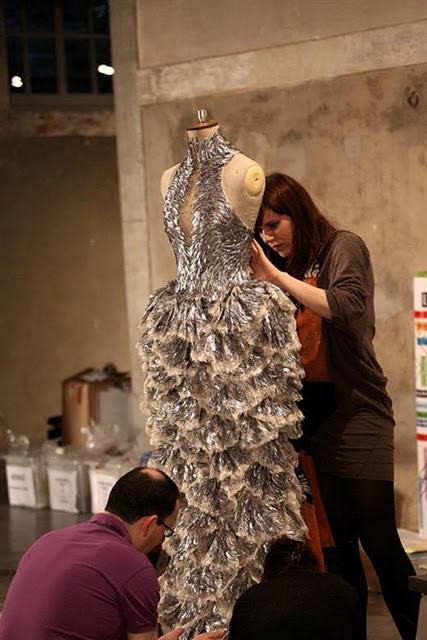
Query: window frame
x=62, y=98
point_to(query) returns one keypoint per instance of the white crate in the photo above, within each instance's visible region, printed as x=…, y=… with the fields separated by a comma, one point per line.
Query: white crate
x=102, y=478
x=68, y=485
x=26, y=481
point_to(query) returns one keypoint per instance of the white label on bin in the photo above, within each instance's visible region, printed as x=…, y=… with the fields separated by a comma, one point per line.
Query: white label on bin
x=20, y=486
x=63, y=490
x=100, y=486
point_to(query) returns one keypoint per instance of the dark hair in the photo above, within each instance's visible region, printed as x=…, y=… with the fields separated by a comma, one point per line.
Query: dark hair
x=284, y=554
x=285, y=196
x=142, y=492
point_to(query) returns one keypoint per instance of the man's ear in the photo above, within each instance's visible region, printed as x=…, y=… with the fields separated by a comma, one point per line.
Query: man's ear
x=145, y=524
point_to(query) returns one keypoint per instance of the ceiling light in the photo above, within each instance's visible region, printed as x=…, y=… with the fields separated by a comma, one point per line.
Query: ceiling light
x=106, y=69
x=16, y=81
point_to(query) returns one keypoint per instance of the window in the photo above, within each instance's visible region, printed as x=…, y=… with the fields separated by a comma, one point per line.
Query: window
x=58, y=51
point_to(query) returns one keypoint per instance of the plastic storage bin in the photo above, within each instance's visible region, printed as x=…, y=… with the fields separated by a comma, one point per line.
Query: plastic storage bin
x=102, y=476
x=26, y=481
x=68, y=484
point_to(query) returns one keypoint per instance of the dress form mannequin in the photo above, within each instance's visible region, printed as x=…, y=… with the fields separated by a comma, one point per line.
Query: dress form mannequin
x=243, y=180
x=222, y=376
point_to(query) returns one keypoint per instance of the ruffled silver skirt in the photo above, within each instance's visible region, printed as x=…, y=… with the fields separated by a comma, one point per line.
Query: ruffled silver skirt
x=221, y=387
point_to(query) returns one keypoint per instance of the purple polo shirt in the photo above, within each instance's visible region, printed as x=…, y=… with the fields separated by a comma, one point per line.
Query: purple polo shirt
x=85, y=582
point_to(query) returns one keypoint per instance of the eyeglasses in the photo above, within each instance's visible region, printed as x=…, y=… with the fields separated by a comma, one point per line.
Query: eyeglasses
x=169, y=531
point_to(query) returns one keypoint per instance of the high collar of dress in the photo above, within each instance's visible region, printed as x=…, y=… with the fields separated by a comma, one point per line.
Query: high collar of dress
x=216, y=146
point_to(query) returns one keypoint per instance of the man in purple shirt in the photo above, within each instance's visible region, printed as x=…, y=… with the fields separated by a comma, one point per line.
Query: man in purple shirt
x=90, y=581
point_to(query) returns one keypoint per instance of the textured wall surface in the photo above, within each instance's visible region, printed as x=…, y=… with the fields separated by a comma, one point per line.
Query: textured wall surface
x=287, y=65
x=183, y=30
x=61, y=275
x=359, y=147
x=52, y=123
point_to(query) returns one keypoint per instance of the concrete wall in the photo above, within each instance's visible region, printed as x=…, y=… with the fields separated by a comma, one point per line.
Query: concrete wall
x=183, y=30
x=359, y=147
x=333, y=111
x=61, y=274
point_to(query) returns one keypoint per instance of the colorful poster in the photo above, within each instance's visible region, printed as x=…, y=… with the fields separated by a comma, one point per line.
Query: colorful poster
x=420, y=326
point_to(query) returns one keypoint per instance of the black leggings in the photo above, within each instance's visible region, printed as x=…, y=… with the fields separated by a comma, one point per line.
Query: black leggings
x=364, y=510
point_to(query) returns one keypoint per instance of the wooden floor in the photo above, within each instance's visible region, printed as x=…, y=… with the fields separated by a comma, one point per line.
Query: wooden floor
x=380, y=624
x=20, y=527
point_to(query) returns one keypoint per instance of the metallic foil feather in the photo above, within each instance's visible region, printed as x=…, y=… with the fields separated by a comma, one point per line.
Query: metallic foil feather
x=221, y=358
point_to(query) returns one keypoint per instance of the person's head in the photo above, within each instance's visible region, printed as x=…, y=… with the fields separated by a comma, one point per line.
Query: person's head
x=290, y=223
x=261, y=611
x=285, y=554
x=147, y=502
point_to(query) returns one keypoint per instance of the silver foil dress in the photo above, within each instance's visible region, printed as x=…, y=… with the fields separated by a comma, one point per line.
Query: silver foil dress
x=220, y=352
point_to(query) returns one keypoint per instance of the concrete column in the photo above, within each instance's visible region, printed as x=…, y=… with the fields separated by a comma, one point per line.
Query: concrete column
x=136, y=246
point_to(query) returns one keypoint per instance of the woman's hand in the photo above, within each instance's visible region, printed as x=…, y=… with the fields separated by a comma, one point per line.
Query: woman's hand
x=260, y=265
x=311, y=297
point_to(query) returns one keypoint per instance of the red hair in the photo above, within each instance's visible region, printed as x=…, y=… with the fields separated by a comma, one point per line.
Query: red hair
x=311, y=229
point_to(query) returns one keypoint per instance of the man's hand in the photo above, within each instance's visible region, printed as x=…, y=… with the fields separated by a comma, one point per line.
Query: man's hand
x=172, y=635
x=261, y=267
x=211, y=635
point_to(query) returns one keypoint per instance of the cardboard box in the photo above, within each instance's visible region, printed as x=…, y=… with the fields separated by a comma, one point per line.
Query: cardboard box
x=90, y=396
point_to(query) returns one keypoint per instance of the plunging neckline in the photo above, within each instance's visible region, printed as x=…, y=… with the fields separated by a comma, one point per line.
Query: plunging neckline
x=200, y=151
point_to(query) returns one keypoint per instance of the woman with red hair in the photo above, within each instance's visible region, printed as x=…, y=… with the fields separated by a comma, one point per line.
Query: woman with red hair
x=349, y=425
